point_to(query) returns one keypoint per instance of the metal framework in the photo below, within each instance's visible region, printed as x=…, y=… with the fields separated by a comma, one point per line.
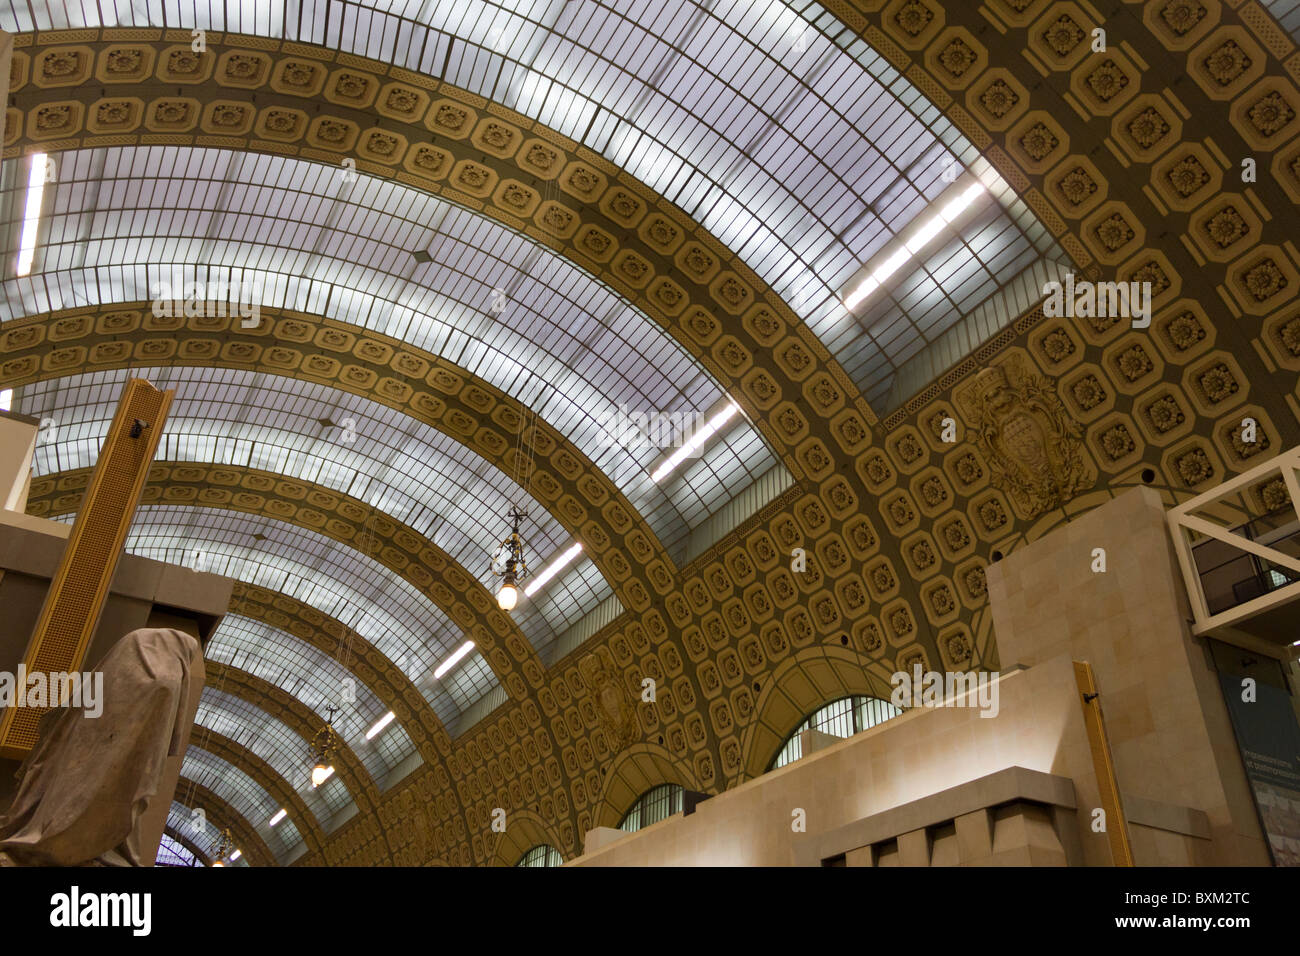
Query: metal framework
x=1215, y=515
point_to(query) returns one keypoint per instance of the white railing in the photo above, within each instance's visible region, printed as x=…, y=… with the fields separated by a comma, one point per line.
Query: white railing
x=1184, y=522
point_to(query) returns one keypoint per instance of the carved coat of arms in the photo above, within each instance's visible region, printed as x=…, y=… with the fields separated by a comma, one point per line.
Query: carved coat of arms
x=614, y=705
x=1026, y=435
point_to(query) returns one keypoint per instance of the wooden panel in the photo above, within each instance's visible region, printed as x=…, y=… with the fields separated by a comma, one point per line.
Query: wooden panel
x=80, y=586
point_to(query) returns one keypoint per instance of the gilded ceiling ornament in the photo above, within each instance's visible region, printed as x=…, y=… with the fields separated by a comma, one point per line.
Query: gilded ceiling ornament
x=1289, y=334
x=914, y=17
x=958, y=57
x=1076, y=186
x=1057, y=345
x=614, y=705
x=1273, y=495
x=351, y=85
x=958, y=645
x=1226, y=227
x=1024, y=433
x=1245, y=449
x=1088, y=392
x=449, y=117
x=1270, y=113
x=384, y=145
x=1108, y=81
x=1063, y=35
x=540, y=157
x=224, y=115
x=431, y=159
x=1195, y=467
x=968, y=469
x=1114, y=232
x=1183, y=15
x=299, y=74
x=1184, y=331
x=183, y=62
x=954, y=535
x=1227, y=63
x=123, y=61
x=1148, y=127
x=1038, y=141
x=401, y=100
x=1164, y=414
x=1263, y=280
x=1218, y=383
x=53, y=117
x=1133, y=363
x=61, y=64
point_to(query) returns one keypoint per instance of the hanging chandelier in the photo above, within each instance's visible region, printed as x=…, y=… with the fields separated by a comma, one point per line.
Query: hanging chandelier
x=224, y=846
x=324, y=745
x=508, y=563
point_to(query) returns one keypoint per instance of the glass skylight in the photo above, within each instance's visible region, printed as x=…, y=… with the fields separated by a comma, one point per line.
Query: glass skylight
x=770, y=122
x=126, y=221
x=270, y=739
x=315, y=678
x=244, y=794
x=409, y=471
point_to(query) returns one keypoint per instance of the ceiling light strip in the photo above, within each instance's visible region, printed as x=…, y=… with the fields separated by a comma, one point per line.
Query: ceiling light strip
x=930, y=229
x=452, y=661
x=383, y=722
x=554, y=568
x=697, y=441
x=32, y=216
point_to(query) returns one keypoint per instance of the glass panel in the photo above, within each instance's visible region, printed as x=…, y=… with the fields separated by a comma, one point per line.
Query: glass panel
x=541, y=855
x=172, y=853
x=243, y=793
x=402, y=468
x=270, y=739
x=565, y=346
x=658, y=803
x=316, y=679
x=840, y=718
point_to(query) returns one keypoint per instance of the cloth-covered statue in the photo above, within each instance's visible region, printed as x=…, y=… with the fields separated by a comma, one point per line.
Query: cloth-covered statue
x=85, y=785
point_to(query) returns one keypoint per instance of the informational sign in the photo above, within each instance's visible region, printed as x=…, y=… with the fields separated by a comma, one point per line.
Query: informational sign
x=1269, y=738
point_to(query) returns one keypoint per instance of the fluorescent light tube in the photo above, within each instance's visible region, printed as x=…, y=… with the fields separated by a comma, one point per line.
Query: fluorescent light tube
x=697, y=440
x=384, y=721
x=452, y=661
x=554, y=568
x=946, y=215
x=32, y=216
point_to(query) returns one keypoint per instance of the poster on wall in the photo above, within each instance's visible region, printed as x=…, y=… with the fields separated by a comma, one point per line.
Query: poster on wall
x=1269, y=739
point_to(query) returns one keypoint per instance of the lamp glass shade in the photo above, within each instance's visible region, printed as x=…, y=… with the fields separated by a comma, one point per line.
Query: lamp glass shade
x=507, y=597
x=319, y=774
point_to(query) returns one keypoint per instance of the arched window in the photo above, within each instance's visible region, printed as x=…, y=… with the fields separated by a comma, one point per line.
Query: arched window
x=657, y=803
x=840, y=718
x=541, y=855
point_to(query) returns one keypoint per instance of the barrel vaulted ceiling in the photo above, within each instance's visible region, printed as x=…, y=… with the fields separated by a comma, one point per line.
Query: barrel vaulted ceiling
x=677, y=202
x=791, y=141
